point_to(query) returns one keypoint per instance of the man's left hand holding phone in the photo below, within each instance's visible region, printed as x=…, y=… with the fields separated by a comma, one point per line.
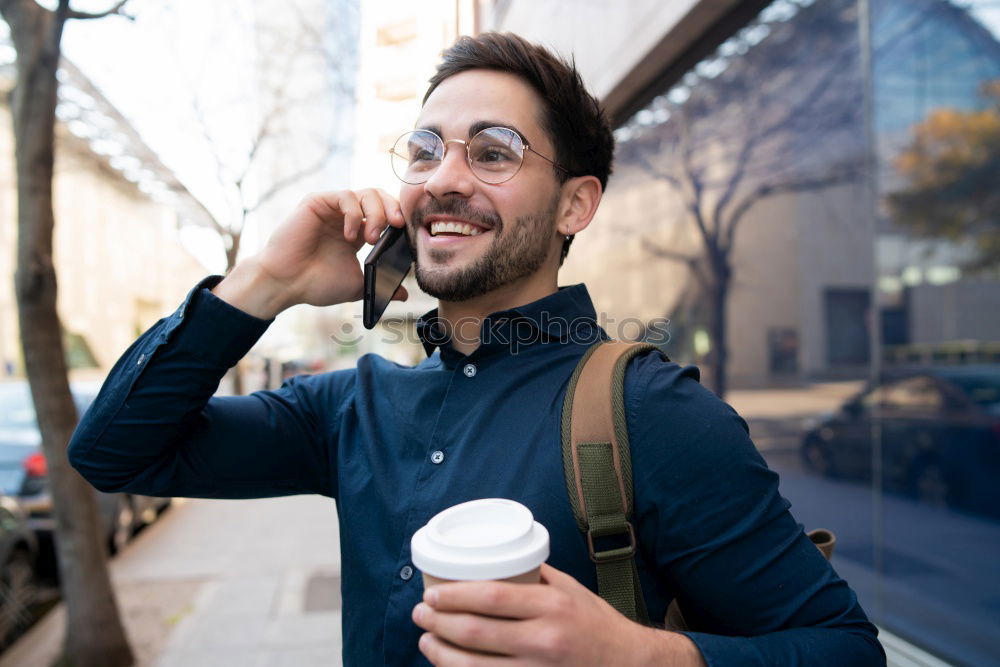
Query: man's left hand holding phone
x=311, y=257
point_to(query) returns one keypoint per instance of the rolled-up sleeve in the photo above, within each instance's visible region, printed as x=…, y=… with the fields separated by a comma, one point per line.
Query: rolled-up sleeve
x=155, y=428
x=721, y=539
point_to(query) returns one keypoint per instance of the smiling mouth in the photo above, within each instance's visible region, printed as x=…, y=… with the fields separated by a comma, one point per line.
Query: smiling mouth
x=454, y=228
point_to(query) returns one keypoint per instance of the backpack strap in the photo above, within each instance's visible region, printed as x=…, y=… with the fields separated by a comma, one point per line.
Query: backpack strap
x=598, y=468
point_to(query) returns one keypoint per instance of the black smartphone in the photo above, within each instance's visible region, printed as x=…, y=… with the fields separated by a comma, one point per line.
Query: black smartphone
x=385, y=267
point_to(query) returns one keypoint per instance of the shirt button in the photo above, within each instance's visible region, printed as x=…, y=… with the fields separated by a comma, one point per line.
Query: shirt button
x=437, y=456
x=142, y=358
x=469, y=370
x=406, y=573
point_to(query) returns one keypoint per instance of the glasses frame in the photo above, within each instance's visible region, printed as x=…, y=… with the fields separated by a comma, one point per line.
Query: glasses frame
x=468, y=156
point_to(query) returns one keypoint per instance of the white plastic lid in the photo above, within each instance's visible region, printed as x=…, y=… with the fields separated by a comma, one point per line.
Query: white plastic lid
x=492, y=538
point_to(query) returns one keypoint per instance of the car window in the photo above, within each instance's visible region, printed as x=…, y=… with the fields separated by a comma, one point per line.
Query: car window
x=16, y=408
x=981, y=389
x=919, y=393
x=18, y=411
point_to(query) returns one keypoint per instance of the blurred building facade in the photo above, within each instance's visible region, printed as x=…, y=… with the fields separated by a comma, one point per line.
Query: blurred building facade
x=823, y=173
x=119, y=263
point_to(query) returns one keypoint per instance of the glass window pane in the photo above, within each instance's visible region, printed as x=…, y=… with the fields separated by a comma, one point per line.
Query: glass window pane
x=936, y=85
x=741, y=209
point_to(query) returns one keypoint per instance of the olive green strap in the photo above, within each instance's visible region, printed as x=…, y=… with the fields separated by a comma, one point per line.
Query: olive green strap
x=617, y=576
x=567, y=439
x=600, y=492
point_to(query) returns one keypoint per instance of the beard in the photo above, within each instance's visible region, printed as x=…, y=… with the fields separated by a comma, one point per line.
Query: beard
x=513, y=253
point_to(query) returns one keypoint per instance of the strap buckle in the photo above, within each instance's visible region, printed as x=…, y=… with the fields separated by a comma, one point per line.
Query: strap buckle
x=612, y=555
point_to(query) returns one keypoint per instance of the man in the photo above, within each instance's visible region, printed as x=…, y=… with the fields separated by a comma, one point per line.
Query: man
x=508, y=162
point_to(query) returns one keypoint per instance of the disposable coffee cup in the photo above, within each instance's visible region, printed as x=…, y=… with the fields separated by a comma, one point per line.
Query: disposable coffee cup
x=488, y=539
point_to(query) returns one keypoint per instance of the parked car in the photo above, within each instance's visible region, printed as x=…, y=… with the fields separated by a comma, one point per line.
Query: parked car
x=940, y=435
x=24, y=472
x=18, y=553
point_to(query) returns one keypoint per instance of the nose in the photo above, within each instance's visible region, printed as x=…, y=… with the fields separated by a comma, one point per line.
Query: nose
x=453, y=176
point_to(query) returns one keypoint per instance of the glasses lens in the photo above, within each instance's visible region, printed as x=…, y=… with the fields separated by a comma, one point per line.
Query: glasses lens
x=495, y=154
x=416, y=155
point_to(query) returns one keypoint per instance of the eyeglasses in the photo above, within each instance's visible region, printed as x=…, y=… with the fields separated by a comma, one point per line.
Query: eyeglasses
x=494, y=155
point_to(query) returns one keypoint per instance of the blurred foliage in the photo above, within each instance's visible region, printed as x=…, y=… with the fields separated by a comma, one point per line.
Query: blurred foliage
x=952, y=171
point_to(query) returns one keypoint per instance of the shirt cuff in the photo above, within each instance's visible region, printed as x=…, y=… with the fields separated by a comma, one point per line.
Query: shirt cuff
x=212, y=330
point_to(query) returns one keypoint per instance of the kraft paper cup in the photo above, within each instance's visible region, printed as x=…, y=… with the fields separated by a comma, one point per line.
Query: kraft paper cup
x=493, y=538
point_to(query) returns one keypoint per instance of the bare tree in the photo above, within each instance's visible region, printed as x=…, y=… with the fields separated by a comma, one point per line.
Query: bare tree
x=777, y=111
x=94, y=635
x=303, y=65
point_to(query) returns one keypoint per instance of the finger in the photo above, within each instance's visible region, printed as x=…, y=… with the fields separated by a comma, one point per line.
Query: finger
x=471, y=631
x=443, y=654
x=393, y=211
x=351, y=208
x=401, y=294
x=490, y=598
x=374, y=215
x=561, y=580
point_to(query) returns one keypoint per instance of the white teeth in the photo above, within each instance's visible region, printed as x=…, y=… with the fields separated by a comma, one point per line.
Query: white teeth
x=454, y=228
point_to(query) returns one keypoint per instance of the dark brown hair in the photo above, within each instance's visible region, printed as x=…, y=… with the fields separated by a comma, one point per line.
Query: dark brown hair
x=572, y=117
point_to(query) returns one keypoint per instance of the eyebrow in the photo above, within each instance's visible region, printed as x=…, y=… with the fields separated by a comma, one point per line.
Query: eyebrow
x=478, y=127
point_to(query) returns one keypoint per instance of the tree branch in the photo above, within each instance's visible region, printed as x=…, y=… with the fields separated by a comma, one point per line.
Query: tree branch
x=117, y=9
x=177, y=187
x=644, y=161
x=697, y=187
x=216, y=152
x=291, y=179
x=736, y=177
x=663, y=253
x=765, y=190
x=692, y=262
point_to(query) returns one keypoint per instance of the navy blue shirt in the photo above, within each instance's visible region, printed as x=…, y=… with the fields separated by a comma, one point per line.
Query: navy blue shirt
x=396, y=444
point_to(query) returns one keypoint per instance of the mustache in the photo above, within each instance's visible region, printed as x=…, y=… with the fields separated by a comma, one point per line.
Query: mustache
x=458, y=208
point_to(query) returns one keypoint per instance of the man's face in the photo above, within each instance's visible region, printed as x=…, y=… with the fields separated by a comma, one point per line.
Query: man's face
x=515, y=220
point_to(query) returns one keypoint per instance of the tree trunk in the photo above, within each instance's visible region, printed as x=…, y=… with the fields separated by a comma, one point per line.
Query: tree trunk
x=232, y=250
x=94, y=635
x=232, y=254
x=718, y=326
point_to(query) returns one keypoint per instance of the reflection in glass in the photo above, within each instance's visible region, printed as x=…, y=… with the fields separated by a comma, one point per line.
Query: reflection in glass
x=936, y=68
x=772, y=118
x=741, y=190
x=938, y=428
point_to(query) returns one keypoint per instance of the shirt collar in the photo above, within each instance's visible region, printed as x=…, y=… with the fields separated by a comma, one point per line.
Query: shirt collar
x=555, y=317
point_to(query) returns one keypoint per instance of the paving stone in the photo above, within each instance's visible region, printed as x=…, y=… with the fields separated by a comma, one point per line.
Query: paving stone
x=304, y=629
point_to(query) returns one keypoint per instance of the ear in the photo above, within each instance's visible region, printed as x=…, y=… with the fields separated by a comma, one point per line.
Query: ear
x=578, y=204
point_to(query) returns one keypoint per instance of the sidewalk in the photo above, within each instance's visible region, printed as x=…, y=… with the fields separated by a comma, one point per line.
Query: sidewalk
x=794, y=402
x=219, y=583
